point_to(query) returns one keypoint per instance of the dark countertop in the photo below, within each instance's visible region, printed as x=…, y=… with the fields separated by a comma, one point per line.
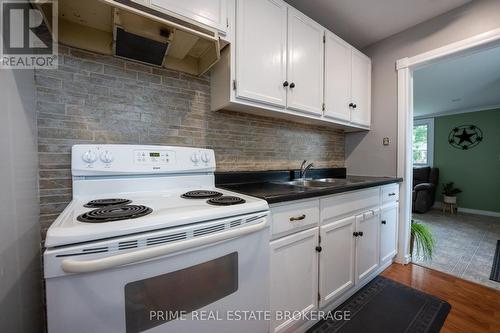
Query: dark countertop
x=274, y=189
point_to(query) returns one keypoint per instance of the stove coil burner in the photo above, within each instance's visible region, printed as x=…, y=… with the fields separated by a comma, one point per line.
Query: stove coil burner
x=100, y=203
x=115, y=213
x=201, y=194
x=226, y=201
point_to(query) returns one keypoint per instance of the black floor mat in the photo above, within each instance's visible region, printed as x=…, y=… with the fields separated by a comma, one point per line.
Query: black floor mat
x=387, y=306
x=495, y=268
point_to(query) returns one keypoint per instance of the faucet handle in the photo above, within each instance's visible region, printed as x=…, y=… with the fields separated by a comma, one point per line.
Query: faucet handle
x=303, y=164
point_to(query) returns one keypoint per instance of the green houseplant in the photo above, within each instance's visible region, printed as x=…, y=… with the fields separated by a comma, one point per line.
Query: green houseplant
x=421, y=240
x=450, y=193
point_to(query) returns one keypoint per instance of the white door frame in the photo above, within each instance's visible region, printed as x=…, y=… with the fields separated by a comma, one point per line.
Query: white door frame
x=405, y=68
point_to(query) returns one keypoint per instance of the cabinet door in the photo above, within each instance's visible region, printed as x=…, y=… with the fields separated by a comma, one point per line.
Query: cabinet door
x=305, y=63
x=388, y=232
x=294, y=275
x=261, y=51
x=336, y=260
x=209, y=12
x=361, y=88
x=367, y=253
x=337, y=78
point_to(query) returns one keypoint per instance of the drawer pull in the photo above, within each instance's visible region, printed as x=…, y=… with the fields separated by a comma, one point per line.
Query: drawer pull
x=297, y=218
x=384, y=222
x=392, y=194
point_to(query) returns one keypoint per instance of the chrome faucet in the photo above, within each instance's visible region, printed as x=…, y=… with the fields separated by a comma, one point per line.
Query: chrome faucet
x=304, y=168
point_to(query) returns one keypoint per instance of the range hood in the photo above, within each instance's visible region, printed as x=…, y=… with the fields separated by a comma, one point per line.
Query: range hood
x=130, y=30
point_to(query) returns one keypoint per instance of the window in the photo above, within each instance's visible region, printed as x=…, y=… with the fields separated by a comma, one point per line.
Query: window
x=423, y=142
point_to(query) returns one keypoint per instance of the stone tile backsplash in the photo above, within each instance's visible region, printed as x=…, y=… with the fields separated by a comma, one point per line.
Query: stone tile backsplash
x=93, y=98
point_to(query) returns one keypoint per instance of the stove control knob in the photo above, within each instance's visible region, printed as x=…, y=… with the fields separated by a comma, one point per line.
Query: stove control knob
x=89, y=157
x=195, y=158
x=107, y=157
x=205, y=158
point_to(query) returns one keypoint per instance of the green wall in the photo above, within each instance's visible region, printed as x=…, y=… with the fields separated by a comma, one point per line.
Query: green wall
x=476, y=171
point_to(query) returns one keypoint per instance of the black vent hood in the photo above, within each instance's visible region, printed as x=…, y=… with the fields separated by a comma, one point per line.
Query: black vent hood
x=135, y=47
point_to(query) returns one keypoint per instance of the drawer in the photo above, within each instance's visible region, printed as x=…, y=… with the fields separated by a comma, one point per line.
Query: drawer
x=390, y=193
x=294, y=217
x=344, y=204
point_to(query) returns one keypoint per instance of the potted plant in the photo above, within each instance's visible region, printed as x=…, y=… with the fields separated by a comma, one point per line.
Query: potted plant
x=422, y=240
x=450, y=193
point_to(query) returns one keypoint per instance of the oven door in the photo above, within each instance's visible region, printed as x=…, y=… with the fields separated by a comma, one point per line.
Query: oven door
x=216, y=283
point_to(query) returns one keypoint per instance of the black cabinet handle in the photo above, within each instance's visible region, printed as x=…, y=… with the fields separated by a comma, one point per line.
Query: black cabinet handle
x=297, y=218
x=355, y=234
x=392, y=194
x=285, y=84
x=384, y=222
x=354, y=106
x=292, y=85
x=360, y=233
x=351, y=105
x=319, y=248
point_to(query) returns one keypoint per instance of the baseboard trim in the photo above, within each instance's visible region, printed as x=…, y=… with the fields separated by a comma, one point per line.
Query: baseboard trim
x=439, y=205
x=403, y=260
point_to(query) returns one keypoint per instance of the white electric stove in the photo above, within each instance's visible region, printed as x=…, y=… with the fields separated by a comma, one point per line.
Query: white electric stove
x=148, y=244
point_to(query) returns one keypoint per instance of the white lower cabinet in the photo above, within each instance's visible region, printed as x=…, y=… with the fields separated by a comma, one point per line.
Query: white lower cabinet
x=294, y=276
x=367, y=238
x=388, y=232
x=350, y=238
x=337, y=259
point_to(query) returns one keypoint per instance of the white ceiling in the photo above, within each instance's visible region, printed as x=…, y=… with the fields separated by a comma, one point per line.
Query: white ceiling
x=468, y=83
x=364, y=22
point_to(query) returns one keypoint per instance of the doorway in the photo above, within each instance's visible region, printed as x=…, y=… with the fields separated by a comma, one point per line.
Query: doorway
x=418, y=123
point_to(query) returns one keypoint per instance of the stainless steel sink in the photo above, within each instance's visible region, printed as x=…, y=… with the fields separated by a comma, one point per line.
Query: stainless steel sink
x=332, y=180
x=321, y=182
x=339, y=180
x=306, y=183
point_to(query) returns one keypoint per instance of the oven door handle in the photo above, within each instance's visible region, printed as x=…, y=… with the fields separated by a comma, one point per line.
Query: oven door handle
x=86, y=266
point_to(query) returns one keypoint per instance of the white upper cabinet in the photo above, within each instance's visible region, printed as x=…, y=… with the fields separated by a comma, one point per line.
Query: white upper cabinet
x=361, y=89
x=305, y=63
x=281, y=63
x=367, y=249
x=261, y=51
x=212, y=13
x=337, y=78
x=347, y=83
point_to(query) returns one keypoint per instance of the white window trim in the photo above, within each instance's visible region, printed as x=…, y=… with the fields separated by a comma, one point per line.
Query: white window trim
x=430, y=140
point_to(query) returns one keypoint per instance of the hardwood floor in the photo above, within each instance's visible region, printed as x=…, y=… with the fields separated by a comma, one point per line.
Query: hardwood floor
x=474, y=308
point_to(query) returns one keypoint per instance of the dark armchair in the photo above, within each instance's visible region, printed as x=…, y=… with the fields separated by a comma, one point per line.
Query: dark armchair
x=425, y=181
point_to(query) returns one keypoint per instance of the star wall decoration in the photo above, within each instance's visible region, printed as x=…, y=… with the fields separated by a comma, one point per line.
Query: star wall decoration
x=465, y=137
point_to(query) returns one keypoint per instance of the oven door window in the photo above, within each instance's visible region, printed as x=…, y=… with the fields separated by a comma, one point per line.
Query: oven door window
x=184, y=290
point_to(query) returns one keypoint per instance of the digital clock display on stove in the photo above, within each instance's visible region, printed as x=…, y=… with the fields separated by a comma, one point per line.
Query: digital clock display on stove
x=154, y=154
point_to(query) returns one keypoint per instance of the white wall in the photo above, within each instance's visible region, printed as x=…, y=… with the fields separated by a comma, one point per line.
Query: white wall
x=20, y=278
x=365, y=153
